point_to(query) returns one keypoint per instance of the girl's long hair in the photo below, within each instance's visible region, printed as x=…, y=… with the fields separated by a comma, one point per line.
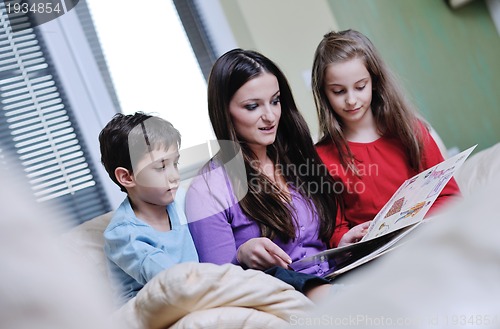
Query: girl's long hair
x=293, y=150
x=393, y=113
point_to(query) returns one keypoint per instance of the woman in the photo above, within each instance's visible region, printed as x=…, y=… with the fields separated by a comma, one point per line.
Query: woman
x=265, y=199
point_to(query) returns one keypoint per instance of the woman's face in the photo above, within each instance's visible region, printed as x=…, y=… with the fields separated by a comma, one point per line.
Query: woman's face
x=255, y=110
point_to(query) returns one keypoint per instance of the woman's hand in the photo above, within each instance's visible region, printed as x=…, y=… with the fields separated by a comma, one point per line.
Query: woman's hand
x=354, y=234
x=261, y=254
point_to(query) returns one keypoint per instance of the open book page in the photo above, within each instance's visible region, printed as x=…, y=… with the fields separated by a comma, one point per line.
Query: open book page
x=414, y=198
x=341, y=257
x=392, y=244
x=400, y=215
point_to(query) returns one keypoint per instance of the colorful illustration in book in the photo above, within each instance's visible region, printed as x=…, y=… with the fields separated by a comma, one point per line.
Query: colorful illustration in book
x=409, y=184
x=427, y=175
x=396, y=207
x=412, y=211
x=435, y=174
x=382, y=228
x=443, y=176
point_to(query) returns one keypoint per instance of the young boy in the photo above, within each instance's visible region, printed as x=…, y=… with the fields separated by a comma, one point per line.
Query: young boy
x=148, y=232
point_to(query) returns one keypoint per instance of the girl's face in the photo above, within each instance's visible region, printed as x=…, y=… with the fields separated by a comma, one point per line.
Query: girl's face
x=255, y=110
x=348, y=87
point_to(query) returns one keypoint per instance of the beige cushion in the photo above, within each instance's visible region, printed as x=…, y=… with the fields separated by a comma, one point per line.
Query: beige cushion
x=479, y=170
x=229, y=317
x=86, y=242
x=235, y=297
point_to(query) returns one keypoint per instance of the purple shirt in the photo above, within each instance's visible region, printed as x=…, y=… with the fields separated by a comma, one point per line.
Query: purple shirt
x=219, y=226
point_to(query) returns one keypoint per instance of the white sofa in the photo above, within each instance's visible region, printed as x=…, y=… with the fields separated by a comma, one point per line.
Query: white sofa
x=205, y=296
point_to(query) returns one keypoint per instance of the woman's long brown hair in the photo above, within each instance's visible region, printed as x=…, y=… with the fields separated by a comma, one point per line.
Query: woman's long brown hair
x=293, y=150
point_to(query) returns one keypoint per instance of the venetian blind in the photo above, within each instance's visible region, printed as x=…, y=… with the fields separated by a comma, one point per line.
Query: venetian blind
x=38, y=129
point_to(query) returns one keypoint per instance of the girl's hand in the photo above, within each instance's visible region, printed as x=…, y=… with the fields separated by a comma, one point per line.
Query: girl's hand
x=354, y=234
x=261, y=254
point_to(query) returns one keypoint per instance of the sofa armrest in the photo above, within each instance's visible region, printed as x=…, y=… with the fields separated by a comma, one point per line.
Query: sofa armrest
x=479, y=170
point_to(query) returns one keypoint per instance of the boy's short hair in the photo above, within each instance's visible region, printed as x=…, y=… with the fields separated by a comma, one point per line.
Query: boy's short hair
x=127, y=138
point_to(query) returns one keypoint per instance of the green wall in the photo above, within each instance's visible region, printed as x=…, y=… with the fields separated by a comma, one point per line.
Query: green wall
x=448, y=61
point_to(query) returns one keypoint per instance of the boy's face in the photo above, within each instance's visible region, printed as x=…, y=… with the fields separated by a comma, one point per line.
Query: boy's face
x=157, y=176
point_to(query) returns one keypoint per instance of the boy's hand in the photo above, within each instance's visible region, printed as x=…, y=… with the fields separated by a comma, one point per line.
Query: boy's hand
x=354, y=234
x=261, y=254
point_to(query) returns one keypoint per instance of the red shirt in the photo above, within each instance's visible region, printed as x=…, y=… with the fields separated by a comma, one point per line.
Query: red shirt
x=383, y=167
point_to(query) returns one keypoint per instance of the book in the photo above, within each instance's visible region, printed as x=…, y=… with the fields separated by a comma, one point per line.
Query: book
x=402, y=214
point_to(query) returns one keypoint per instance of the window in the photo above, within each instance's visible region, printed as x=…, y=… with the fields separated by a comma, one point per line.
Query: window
x=153, y=66
x=40, y=137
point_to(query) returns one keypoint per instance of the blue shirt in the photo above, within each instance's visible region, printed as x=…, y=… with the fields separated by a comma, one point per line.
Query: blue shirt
x=136, y=251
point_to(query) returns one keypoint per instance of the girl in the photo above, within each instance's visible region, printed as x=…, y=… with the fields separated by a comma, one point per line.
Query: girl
x=279, y=205
x=371, y=137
